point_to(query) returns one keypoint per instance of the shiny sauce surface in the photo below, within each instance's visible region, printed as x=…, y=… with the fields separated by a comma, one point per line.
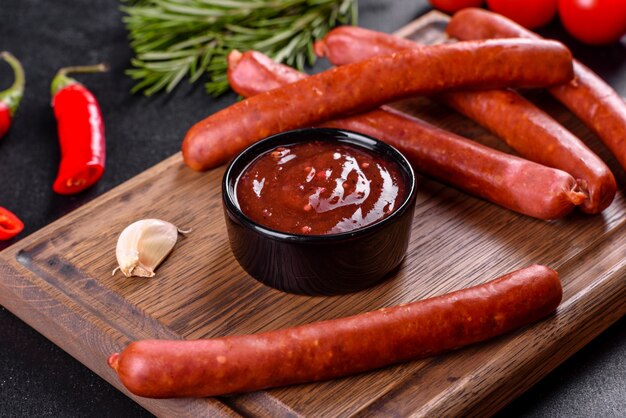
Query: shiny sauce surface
x=320, y=187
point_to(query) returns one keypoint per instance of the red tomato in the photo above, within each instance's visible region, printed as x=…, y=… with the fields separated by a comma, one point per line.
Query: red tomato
x=594, y=22
x=451, y=6
x=529, y=13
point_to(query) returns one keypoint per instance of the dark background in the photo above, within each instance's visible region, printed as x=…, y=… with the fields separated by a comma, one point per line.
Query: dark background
x=39, y=379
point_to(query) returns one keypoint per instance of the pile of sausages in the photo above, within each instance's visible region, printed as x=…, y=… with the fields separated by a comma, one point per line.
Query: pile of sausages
x=473, y=76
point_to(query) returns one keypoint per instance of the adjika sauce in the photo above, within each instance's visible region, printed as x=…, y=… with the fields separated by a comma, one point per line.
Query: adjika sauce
x=320, y=188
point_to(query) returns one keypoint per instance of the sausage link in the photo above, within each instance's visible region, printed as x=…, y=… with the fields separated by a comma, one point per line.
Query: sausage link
x=527, y=129
x=509, y=181
x=328, y=349
x=537, y=136
x=347, y=44
x=589, y=97
x=365, y=85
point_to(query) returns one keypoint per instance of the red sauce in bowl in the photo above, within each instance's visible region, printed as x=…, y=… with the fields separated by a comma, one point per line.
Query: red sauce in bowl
x=320, y=187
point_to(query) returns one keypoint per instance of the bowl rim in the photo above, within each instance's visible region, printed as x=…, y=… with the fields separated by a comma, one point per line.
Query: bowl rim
x=252, y=152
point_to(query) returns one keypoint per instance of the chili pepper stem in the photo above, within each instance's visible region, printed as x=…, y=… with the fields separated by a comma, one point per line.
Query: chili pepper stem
x=13, y=95
x=62, y=80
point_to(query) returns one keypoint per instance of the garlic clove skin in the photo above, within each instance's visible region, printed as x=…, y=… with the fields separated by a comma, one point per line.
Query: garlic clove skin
x=143, y=245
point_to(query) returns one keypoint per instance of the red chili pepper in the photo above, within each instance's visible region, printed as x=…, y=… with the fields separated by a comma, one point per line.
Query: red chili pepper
x=81, y=132
x=10, y=225
x=11, y=97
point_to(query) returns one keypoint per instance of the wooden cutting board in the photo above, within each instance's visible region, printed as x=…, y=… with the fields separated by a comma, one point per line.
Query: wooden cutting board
x=59, y=281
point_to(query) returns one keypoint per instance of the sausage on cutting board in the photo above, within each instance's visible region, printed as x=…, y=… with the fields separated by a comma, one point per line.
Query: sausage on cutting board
x=524, y=127
x=340, y=347
x=589, y=97
x=367, y=84
x=509, y=181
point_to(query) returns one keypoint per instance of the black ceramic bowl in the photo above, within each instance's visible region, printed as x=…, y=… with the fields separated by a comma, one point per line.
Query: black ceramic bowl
x=318, y=264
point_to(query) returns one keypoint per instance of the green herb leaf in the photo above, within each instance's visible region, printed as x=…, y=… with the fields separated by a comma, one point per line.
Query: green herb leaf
x=178, y=39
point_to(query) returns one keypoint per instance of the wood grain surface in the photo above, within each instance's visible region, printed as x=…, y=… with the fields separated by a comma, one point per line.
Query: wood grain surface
x=59, y=281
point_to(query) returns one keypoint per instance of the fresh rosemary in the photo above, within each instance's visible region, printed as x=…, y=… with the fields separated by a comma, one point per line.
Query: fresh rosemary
x=174, y=39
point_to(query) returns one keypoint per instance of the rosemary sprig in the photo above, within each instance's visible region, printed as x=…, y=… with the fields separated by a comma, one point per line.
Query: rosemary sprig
x=178, y=39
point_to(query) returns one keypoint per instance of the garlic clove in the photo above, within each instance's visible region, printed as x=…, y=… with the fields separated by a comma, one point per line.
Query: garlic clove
x=143, y=245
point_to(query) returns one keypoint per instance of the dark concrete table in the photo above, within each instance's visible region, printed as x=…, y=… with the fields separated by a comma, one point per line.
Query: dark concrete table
x=39, y=379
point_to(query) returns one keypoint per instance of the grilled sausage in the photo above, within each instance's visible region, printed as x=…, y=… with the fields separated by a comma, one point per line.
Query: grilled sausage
x=589, y=97
x=509, y=181
x=340, y=347
x=524, y=127
x=367, y=84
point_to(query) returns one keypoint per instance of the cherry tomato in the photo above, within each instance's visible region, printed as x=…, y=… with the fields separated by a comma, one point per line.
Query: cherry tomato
x=594, y=22
x=451, y=6
x=529, y=13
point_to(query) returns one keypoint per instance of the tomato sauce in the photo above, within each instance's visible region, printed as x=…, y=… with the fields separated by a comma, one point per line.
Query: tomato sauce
x=320, y=187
